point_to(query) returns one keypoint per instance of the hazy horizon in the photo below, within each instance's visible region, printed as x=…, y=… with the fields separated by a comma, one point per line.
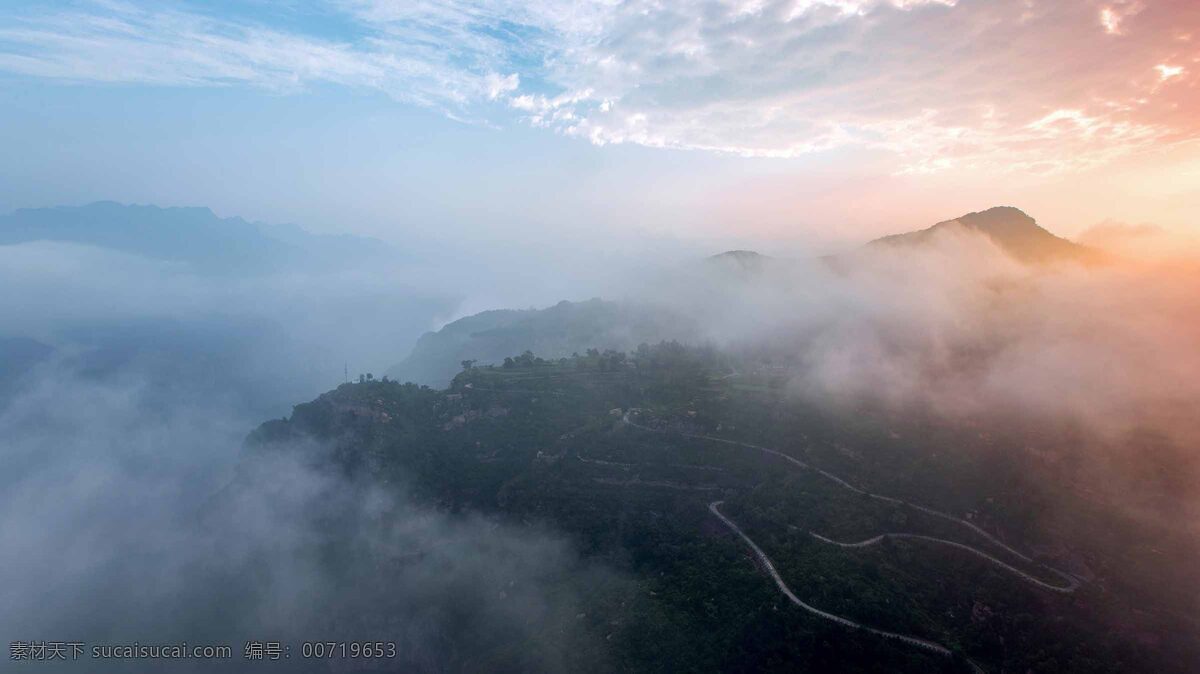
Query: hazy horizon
x=511, y=128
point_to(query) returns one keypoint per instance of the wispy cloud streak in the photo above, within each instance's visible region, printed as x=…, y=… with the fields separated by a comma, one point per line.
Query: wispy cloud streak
x=1017, y=85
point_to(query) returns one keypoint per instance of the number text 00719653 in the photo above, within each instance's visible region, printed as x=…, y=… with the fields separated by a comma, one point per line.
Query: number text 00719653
x=348, y=649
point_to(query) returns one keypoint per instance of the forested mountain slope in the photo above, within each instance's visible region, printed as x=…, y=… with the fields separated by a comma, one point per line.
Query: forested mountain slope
x=663, y=465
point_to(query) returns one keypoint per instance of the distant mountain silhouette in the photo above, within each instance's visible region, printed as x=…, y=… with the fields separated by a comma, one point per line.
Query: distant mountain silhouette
x=190, y=235
x=553, y=332
x=566, y=327
x=740, y=260
x=1010, y=229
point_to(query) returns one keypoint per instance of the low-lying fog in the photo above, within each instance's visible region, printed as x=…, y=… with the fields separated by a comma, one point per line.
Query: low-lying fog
x=131, y=381
x=127, y=385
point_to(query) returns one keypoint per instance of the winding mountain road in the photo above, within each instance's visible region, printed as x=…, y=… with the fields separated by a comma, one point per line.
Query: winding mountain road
x=1072, y=583
x=769, y=566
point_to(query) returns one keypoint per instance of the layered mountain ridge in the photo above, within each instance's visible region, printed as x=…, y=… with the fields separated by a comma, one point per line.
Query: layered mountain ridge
x=191, y=235
x=567, y=327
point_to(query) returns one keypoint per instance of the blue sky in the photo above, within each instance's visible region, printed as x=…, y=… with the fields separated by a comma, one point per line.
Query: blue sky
x=792, y=124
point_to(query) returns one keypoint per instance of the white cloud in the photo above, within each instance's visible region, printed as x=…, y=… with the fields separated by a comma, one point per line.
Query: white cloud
x=789, y=78
x=1110, y=20
x=1114, y=15
x=129, y=44
x=498, y=85
x=1166, y=72
x=757, y=78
